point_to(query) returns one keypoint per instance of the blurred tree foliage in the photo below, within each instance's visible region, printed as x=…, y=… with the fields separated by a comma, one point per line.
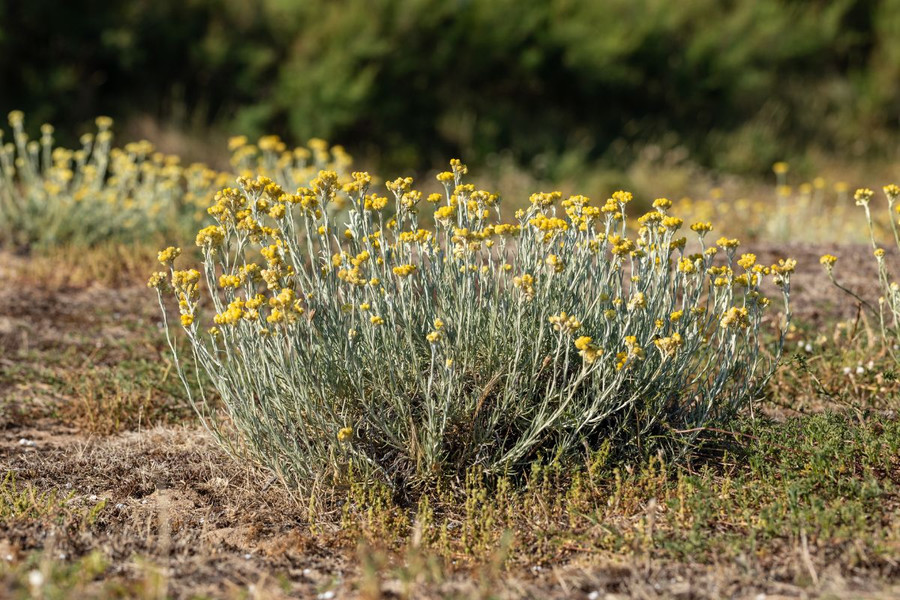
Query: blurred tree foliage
x=739, y=82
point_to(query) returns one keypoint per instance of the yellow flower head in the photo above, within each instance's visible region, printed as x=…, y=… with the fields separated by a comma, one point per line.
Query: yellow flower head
x=633, y=352
x=668, y=346
x=565, y=323
x=637, y=301
x=892, y=192
x=212, y=235
x=545, y=199
x=862, y=196
x=168, y=256
x=589, y=351
x=785, y=266
x=583, y=342
x=445, y=177
x=237, y=141
x=686, y=265
x=747, y=261
x=555, y=262
x=672, y=223
x=701, y=228
x=404, y=270
x=526, y=284
x=229, y=281
x=735, y=317
x=445, y=213
x=157, y=280
x=622, y=197
x=458, y=167
x=662, y=204
x=276, y=316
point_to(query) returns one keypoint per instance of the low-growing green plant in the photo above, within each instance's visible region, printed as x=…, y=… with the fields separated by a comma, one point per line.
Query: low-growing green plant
x=408, y=355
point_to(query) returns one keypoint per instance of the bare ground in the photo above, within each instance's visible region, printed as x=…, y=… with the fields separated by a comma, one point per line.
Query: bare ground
x=176, y=517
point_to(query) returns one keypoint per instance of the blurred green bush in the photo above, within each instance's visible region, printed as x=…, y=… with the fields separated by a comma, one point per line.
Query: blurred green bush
x=740, y=83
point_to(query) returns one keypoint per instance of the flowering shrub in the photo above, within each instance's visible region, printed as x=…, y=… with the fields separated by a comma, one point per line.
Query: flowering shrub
x=54, y=196
x=408, y=354
x=51, y=195
x=889, y=302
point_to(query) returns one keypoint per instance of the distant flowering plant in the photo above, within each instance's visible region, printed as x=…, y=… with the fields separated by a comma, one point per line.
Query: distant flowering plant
x=817, y=210
x=888, y=309
x=55, y=196
x=410, y=354
x=52, y=196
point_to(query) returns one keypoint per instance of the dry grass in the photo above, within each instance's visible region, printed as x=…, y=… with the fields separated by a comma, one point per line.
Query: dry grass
x=92, y=356
x=171, y=506
x=111, y=265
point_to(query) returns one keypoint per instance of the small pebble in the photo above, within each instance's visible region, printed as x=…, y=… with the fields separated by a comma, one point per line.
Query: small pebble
x=35, y=579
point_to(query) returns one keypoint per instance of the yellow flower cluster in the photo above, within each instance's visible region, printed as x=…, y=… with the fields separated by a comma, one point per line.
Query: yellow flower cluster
x=637, y=301
x=437, y=334
x=589, y=351
x=863, y=196
x=735, y=318
x=632, y=353
x=668, y=346
x=404, y=270
x=526, y=284
x=828, y=261
x=565, y=323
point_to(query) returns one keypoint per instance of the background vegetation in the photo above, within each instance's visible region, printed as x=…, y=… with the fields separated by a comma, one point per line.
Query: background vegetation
x=738, y=84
